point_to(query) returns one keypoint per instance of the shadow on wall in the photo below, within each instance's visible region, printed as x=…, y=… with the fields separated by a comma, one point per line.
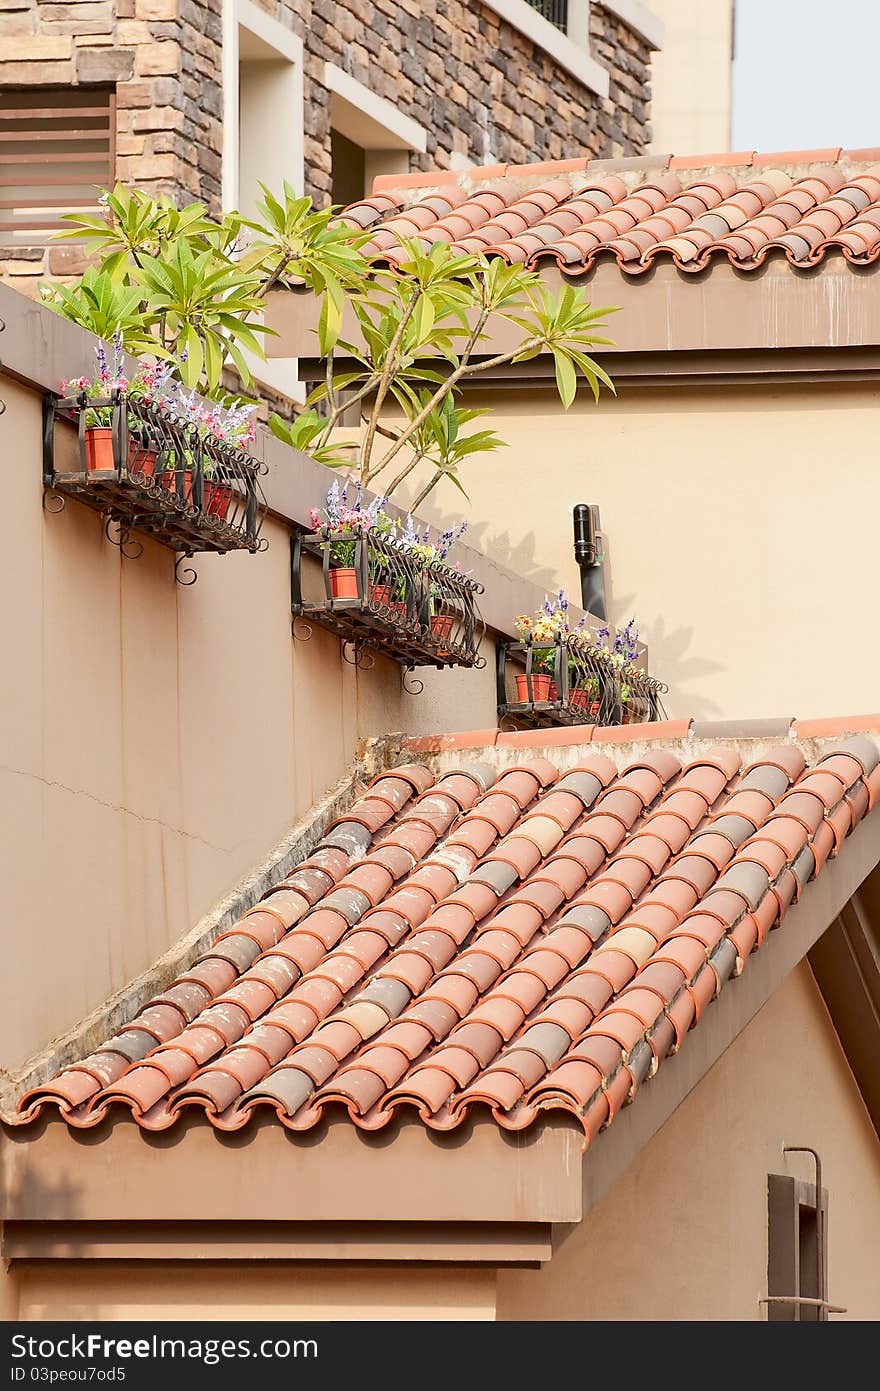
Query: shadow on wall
x=517, y=556
x=54, y=1201
x=669, y=661
x=668, y=647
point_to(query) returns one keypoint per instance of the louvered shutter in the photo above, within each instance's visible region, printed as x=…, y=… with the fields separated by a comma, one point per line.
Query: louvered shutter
x=56, y=152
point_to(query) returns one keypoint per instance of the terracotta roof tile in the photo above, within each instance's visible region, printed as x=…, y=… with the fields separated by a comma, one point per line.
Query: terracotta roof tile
x=691, y=209
x=602, y=911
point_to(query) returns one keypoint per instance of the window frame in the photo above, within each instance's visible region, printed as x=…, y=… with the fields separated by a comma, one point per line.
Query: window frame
x=786, y=1198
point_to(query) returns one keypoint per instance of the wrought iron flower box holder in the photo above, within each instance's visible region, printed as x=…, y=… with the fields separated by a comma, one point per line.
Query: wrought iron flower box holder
x=419, y=614
x=164, y=480
x=584, y=687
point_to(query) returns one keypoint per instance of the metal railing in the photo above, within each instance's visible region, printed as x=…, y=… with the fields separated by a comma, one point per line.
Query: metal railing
x=554, y=10
x=148, y=470
x=380, y=594
x=572, y=681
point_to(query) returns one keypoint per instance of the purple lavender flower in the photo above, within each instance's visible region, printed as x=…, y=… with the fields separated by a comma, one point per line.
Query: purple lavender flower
x=103, y=368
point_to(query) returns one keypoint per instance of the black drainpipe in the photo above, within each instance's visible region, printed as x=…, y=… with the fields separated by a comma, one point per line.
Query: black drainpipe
x=588, y=554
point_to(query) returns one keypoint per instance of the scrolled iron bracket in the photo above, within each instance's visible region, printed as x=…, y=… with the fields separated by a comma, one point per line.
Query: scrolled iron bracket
x=414, y=687
x=300, y=630
x=123, y=539
x=52, y=502
x=362, y=659
x=186, y=575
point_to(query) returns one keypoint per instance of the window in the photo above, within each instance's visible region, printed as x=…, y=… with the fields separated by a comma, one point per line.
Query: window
x=262, y=105
x=368, y=136
x=797, y=1251
x=554, y=10
x=56, y=152
x=262, y=131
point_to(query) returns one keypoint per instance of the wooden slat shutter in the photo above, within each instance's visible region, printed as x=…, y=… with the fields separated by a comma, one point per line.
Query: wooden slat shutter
x=56, y=152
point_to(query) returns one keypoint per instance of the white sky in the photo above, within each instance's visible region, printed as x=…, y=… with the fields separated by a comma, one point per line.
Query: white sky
x=805, y=74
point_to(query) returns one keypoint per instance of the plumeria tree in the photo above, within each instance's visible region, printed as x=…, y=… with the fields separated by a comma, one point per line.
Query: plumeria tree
x=191, y=291
x=423, y=330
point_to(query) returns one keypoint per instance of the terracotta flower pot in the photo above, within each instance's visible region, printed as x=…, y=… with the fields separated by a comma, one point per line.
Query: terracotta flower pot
x=540, y=687
x=441, y=625
x=216, y=498
x=343, y=583
x=380, y=596
x=170, y=483
x=553, y=693
x=578, y=697
x=99, y=449
x=141, y=461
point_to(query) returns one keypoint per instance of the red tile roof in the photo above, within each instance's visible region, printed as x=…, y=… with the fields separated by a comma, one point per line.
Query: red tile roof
x=523, y=938
x=692, y=210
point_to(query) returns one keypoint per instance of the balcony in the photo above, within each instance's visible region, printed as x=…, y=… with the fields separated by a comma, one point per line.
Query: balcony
x=379, y=595
x=573, y=682
x=148, y=472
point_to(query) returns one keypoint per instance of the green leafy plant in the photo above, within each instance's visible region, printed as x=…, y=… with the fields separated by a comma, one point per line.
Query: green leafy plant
x=191, y=291
x=184, y=288
x=423, y=328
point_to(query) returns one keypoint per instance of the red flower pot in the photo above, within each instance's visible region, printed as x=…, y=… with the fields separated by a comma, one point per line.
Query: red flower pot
x=553, y=693
x=344, y=583
x=141, y=462
x=380, y=596
x=170, y=483
x=99, y=449
x=216, y=498
x=540, y=687
x=441, y=626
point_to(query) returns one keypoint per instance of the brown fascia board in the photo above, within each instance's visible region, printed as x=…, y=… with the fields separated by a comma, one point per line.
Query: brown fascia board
x=721, y=310
x=39, y=349
x=502, y=1243
x=478, y=1174
x=846, y=965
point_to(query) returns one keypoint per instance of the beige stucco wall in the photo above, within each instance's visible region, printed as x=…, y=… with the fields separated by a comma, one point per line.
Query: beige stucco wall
x=691, y=77
x=740, y=525
x=231, y=1290
x=683, y=1235
x=156, y=741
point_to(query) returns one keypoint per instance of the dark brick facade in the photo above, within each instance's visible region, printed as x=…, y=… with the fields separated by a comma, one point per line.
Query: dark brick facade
x=482, y=90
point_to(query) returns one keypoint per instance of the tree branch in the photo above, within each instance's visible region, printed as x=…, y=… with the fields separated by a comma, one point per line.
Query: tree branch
x=464, y=369
x=385, y=382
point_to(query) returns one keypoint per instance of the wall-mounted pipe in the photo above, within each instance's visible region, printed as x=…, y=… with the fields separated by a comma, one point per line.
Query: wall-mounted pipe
x=588, y=555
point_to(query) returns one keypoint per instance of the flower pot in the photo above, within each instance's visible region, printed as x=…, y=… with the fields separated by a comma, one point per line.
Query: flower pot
x=216, y=498
x=170, y=479
x=344, y=583
x=540, y=687
x=141, y=460
x=441, y=626
x=578, y=697
x=380, y=596
x=99, y=449
x=553, y=693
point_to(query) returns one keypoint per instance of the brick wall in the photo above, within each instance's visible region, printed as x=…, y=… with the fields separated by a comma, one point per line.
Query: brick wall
x=482, y=90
